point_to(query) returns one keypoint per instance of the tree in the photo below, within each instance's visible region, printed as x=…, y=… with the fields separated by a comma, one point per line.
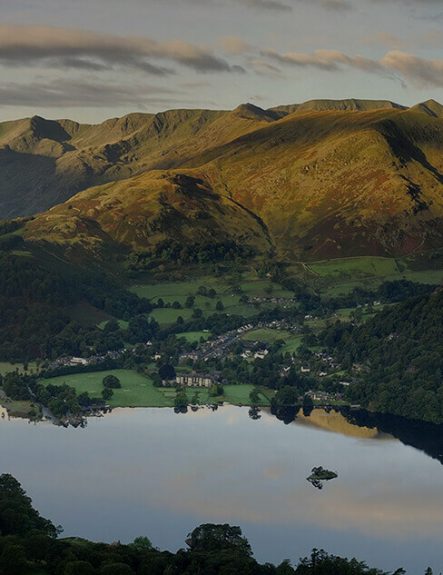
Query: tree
x=216, y=390
x=107, y=393
x=79, y=568
x=211, y=537
x=142, y=544
x=167, y=372
x=116, y=569
x=254, y=396
x=17, y=516
x=190, y=300
x=181, y=400
x=13, y=560
x=112, y=382
x=308, y=405
x=219, y=306
x=111, y=326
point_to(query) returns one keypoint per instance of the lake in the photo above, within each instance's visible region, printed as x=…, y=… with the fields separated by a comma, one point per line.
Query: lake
x=153, y=472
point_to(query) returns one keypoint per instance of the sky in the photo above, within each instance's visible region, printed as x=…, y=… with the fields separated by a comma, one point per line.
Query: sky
x=93, y=59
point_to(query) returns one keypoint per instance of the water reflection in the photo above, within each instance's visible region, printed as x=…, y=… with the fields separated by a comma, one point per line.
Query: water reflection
x=149, y=471
x=336, y=422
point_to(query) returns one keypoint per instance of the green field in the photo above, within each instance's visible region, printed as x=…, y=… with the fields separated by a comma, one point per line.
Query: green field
x=239, y=394
x=122, y=323
x=270, y=336
x=137, y=390
x=267, y=335
x=194, y=336
x=340, y=276
x=359, y=266
x=178, y=291
x=291, y=345
x=233, y=394
x=6, y=367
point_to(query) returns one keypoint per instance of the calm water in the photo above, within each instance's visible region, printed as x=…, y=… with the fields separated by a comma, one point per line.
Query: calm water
x=150, y=471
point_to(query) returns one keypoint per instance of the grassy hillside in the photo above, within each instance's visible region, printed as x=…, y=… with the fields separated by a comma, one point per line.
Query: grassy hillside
x=329, y=179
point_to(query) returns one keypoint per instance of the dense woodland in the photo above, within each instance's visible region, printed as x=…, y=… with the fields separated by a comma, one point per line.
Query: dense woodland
x=30, y=544
x=399, y=354
x=34, y=298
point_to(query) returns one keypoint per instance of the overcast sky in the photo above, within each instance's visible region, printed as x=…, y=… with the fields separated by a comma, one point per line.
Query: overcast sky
x=93, y=59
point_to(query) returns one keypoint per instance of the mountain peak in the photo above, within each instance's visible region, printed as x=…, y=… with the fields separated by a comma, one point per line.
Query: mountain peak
x=430, y=107
x=250, y=111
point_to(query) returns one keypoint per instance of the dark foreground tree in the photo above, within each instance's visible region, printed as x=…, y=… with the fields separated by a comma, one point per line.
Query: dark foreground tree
x=210, y=537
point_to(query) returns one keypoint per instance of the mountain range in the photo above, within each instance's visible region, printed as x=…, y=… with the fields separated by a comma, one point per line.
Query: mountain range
x=320, y=179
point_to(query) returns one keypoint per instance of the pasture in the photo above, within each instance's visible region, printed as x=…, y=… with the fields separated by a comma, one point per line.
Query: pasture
x=137, y=389
x=228, y=290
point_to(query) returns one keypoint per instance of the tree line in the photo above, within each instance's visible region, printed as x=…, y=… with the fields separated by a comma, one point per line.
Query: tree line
x=31, y=544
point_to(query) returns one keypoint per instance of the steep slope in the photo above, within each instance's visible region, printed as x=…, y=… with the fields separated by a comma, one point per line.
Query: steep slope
x=46, y=162
x=332, y=178
x=145, y=211
x=321, y=184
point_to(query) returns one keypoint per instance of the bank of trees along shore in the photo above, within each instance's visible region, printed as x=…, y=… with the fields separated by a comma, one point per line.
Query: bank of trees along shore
x=400, y=353
x=31, y=545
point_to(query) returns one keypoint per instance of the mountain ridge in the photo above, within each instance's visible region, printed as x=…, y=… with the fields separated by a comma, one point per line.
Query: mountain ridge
x=325, y=179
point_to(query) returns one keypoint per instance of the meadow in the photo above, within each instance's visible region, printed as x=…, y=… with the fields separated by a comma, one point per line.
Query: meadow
x=340, y=276
x=269, y=336
x=138, y=390
x=6, y=367
x=228, y=289
x=194, y=336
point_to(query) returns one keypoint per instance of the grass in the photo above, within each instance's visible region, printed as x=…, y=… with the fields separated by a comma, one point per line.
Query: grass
x=137, y=390
x=121, y=322
x=340, y=276
x=178, y=291
x=195, y=336
x=267, y=335
x=233, y=394
x=18, y=408
x=358, y=266
x=270, y=336
x=239, y=395
x=6, y=367
x=291, y=345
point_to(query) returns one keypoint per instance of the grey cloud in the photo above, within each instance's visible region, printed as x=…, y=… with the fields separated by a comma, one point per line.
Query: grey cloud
x=70, y=93
x=394, y=64
x=325, y=60
x=332, y=4
x=272, y=5
x=264, y=68
x=267, y=5
x=58, y=47
x=419, y=71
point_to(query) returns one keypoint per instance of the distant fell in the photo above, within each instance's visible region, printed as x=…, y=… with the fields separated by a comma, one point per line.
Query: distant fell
x=321, y=179
x=350, y=105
